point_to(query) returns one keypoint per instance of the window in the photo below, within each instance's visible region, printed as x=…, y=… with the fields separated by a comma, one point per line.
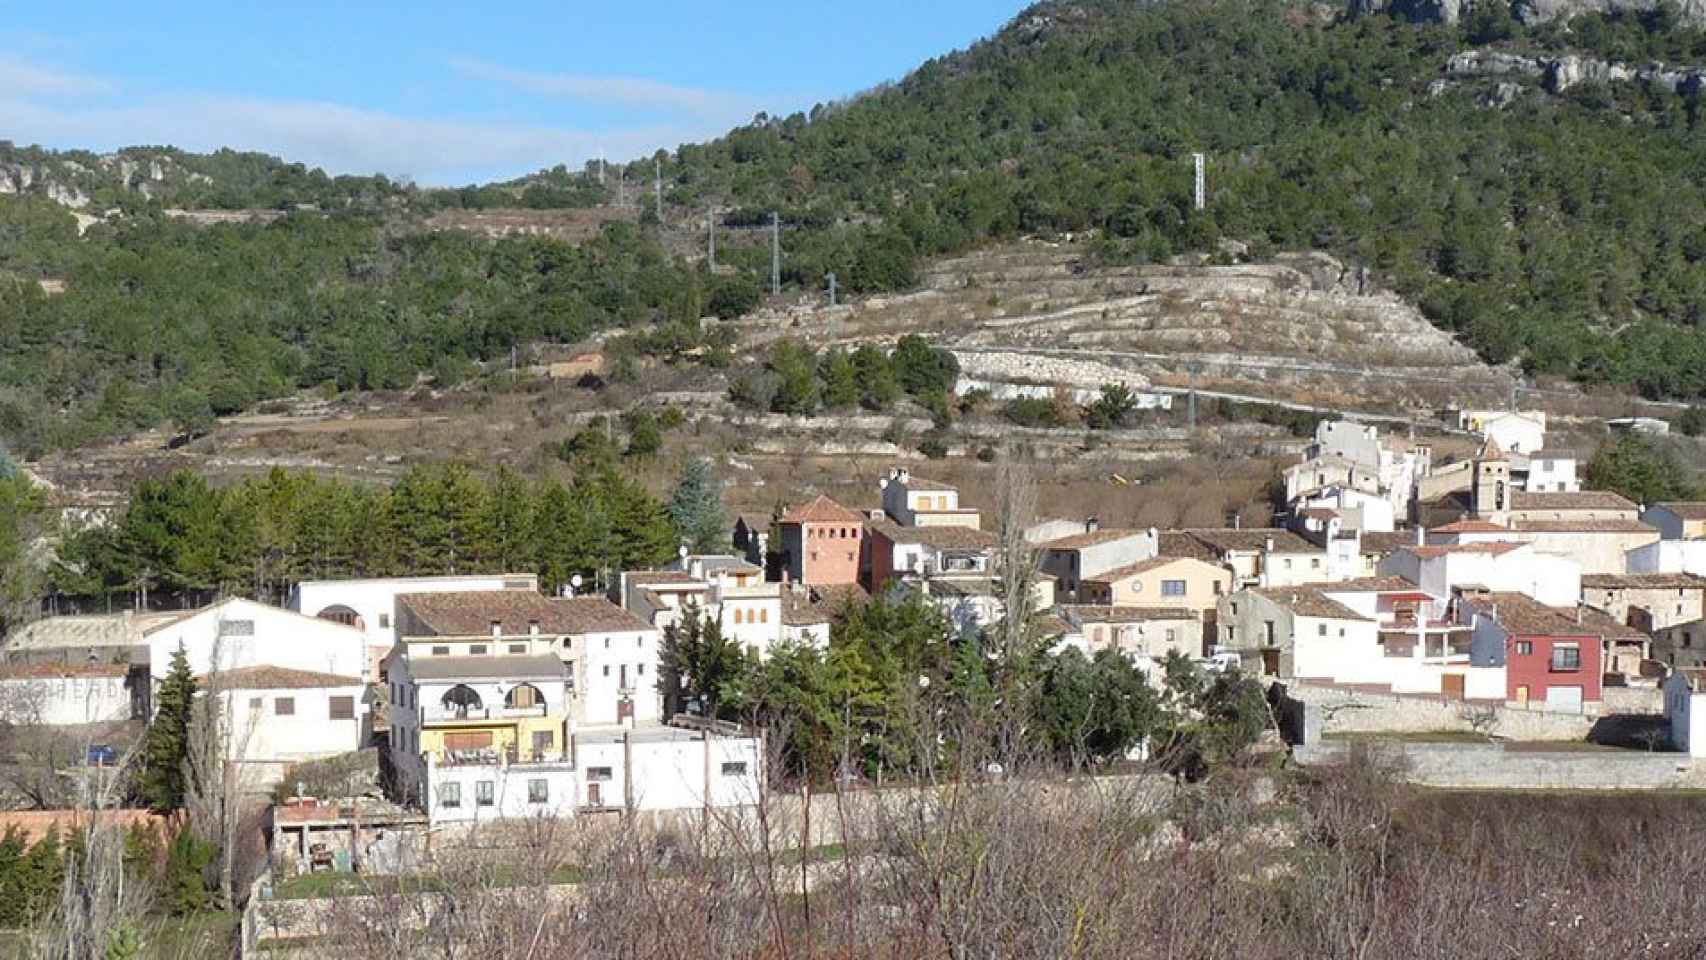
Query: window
x=255, y=703
x=236, y=628
x=1566, y=657
x=284, y=707
x=484, y=794
x=1688, y=638
x=764, y=616
x=642, y=669
x=518, y=648
x=538, y=791
x=1524, y=648
x=1172, y=635
x=1314, y=563
x=607, y=669
x=599, y=773
x=441, y=651
x=476, y=649
x=342, y=708
x=1095, y=634
x=735, y=769
x=450, y=795
x=1320, y=629
x=1172, y=588
x=607, y=643
x=1288, y=563
x=384, y=621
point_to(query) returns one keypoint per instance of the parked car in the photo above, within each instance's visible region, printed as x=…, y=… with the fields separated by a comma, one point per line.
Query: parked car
x=102, y=755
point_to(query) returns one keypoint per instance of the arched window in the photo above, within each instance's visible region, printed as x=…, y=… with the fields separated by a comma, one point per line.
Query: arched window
x=462, y=700
x=524, y=696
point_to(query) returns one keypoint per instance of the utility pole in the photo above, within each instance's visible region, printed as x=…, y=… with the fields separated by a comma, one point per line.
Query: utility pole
x=1191, y=399
x=711, y=237
x=1200, y=193
x=621, y=186
x=657, y=182
x=775, y=254
x=831, y=278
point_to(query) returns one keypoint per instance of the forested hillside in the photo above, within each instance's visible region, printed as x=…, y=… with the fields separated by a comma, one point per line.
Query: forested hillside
x=1566, y=232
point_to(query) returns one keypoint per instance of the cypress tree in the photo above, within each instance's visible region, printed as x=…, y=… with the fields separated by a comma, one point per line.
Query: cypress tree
x=166, y=746
x=696, y=508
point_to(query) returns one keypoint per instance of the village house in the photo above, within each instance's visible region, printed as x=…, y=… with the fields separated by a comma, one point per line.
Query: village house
x=274, y=717
x=1440, y=570
x=723, y=589
x=901, y=551
x=1667, y=556
x=1169, y=582
x=1523, y=431
x=1093, y=551
x=1264, y=556
x=1647, y=601
x=108, y=638
x=1677, y=520
x=1680, y=646
x=915, y=502
x=821, y=543
x=368, y=604
x=51, y=693
x=704, y=766
x=1144, y=634
x=1551, y=660
x=1550, y=471
x=236, y=633
x=1295, y=631
x=751, y=539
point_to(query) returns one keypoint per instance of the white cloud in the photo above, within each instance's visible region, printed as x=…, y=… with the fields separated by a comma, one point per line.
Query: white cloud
x=25, y=79
x=340, y=138
x=634, y=92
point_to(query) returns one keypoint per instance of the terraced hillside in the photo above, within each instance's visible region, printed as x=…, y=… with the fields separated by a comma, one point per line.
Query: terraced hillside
x=1301, y=328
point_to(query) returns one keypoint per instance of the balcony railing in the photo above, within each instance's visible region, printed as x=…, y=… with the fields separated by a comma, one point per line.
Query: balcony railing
x=492, y=757
x=443, y=714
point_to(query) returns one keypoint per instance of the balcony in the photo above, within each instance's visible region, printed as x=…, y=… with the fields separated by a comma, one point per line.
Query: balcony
x=494, y=757
x=454, y=714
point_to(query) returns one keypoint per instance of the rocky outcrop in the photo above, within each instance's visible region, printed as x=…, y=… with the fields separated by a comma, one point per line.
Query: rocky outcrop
x=1528, y=11
x=1558, y=74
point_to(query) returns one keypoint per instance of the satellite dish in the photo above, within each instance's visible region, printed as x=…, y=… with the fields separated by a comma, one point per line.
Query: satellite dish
x=574, y=584
x=681, y=551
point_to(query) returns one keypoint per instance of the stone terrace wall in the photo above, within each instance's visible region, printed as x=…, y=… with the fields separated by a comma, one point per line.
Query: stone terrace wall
x=1350, y=711
x=1495, y=766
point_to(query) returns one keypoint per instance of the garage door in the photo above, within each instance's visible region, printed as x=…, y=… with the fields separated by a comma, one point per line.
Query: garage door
x=1564, y=699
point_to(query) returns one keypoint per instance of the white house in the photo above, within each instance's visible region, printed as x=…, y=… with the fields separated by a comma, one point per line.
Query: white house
x=368, y=605
x=66, y=694
x=916, y=502
x=1677, y=520
x=667, y=768
x=1093, y=551
x=1502, y=565
x=1668, y=556
x=277, y=716
x=1518, y=432
x=249, y=634
x=1551, y=471
x=1685, y=709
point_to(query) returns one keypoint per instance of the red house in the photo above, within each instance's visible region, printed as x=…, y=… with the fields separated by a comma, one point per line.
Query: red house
x=1552, y=659
x=821, y=542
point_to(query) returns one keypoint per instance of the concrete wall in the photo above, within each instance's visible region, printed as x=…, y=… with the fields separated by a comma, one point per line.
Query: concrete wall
x=668, y=774
x=250, y=634
x=1495, y=767
x=65, y=701
x=260, y=733
x=1686, y=711
x=1668, y=556
x=1596, y=552
x=1667, y=606
x=511, y=790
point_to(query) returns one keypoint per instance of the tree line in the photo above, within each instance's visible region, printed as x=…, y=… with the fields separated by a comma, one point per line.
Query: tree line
x=182, y=540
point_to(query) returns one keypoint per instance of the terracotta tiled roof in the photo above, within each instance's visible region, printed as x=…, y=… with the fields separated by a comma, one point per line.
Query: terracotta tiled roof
x=1522, y=615
x=1644, y=581
x=1310, y=602
x=538, y=666
x=1685, y=509
x=1177, y=543
x=1608, y=626
x=652, y=578
x=1582, y=526
x=822, y=510
x=48, y=670
x=268, y=677
x=1569, y=500
x=1471, y=525
x=1495, y=547
x=472, y=614
x=1391, y=584
x=1089, y=538
x=798, y=610
x=1088, y=613
x=941, y=538
x=1383, y=543
x=1249, y=539
x=921, y=485
x=1141, y=566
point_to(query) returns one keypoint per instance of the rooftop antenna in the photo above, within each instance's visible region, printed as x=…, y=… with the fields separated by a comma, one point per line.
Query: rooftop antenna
x=574, y=584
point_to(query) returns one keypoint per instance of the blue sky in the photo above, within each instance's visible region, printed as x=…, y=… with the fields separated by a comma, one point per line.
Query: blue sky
x=445, y=92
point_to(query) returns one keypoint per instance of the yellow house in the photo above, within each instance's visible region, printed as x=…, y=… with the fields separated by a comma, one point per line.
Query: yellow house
x=1183, y=582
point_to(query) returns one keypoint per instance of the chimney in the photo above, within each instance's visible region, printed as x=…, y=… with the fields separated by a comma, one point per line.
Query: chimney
x=1268, y=544
x=497, y=628
x=1092, y=524
x=533, y=628
x=1421, y=535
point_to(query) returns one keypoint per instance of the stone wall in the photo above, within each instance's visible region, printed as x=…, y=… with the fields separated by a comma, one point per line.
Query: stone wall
x=1350, y=711
x=1494, y=766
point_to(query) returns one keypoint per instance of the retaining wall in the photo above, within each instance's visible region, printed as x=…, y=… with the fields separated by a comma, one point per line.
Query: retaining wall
x=1350, y=711
x=1496, y=766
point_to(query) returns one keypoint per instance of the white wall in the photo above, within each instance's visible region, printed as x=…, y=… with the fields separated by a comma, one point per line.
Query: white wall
x=375, y=601
x=64, y=701
x=1668, y=556
x=1561, y=476
x=1686, y=711
x=1670, y=525
x=510, y=791
x=598, y=659
x=670, y=774
x=258, y=733
x=255, y=635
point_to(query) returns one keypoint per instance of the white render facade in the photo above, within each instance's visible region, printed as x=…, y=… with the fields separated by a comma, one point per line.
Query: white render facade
x=369, y=605
x=250, y=634
x=273, y=727
x=93, y=694
x=1685, y=710
x=666, y=768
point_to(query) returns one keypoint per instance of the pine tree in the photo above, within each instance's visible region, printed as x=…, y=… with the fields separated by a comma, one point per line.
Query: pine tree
x=12, y=900
x=699, y=662
x=40, y=873
x=187, y=861
x=165, y=749
x=840, y=380
x=696, y=508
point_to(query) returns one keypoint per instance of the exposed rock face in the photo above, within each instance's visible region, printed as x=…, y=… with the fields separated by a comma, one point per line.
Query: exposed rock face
x=1561, y=73
x=1528, y=11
